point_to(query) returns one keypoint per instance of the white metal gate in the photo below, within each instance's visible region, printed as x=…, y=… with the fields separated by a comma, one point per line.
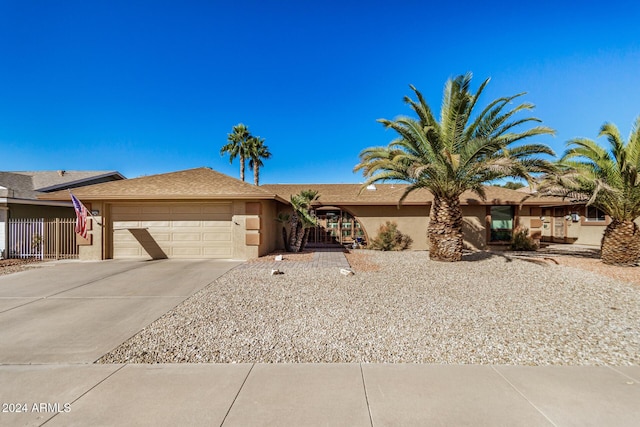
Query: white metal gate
x=42, y=238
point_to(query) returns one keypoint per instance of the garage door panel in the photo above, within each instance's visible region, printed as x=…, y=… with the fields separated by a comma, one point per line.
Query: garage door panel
x=180, y=231
x=217, y=237
x=162, y=237
x=127, y=224
x=155, y=223
x=186, y=237
x=124, y=236
x=193, y=224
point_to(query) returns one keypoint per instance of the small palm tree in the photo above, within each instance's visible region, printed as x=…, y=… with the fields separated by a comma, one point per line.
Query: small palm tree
x=460, y=152
x=302, y=219
x=608, y=180
x=283, y=219
x=237, y=146
x=256, y=151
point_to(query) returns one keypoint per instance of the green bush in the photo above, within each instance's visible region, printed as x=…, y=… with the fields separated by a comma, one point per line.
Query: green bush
x=522, y=241
x=389, y=238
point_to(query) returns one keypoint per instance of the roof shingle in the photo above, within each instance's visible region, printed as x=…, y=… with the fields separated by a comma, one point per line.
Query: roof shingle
x=389, y=194
x=199, y=183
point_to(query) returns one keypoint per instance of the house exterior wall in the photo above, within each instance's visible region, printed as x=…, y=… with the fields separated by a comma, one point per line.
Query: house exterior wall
x=37, y=211
x=256, y=233
x=411, y=220
x=254, y=228
x=474, y=229
x=414, y=221
x=93, y=248
x=269, y=227
x=589, y=234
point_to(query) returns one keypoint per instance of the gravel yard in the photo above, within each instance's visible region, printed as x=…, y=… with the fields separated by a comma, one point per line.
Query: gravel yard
x=10, y=266
x=488, y=309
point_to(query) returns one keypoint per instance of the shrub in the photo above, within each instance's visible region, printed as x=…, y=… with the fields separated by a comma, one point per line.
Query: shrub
x=522, y=241
x=389, y=238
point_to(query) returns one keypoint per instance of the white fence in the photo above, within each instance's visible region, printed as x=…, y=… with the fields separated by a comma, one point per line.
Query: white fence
x=42, y=238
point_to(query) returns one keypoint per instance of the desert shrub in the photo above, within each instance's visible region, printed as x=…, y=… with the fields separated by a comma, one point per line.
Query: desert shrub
x=522, y=241
x=389, y=238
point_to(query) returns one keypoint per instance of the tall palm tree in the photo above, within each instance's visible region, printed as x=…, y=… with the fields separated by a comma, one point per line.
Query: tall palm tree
x=237, y=145
x=256, y=151
x=461, y=152
x=608, y=180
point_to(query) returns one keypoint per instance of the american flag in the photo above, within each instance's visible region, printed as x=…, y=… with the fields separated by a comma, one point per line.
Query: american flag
x=81, y=216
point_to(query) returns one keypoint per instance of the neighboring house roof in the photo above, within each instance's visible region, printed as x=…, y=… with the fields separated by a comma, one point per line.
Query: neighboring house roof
x=47, y=181
x=389, y=194
x=200, y=183
x=29, y=184
x=16, y=185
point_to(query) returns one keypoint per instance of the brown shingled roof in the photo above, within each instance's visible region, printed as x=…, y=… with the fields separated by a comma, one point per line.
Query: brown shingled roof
x=204, y=183
x=200, y=183
x=389, y=194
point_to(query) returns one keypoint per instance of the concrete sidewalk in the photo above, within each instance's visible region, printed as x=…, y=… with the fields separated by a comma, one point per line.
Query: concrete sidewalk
x=319, y=394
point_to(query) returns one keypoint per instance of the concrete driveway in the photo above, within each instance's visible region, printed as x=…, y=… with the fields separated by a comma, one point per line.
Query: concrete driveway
x=75, y=312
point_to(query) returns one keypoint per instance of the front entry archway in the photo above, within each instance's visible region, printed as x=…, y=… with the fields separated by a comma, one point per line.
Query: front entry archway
x=336, y=225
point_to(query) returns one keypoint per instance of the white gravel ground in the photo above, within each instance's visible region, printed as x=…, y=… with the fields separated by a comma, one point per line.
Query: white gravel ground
x=487, y=309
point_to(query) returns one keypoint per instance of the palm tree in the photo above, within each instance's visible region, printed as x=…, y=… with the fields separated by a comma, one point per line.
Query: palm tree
x=608, y=180
x=461, y=152
x=237, y=145
x=302, y=219
x=256, y=151
x=283, y=218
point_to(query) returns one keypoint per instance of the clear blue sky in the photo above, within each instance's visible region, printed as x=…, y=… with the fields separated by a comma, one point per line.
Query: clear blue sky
x=150, y=87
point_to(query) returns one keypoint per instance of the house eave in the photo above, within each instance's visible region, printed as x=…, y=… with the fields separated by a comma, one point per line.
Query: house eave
x=17, y=201
x=114, y=197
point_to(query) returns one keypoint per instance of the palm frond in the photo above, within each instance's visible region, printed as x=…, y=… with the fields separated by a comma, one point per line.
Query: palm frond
x=457, y=153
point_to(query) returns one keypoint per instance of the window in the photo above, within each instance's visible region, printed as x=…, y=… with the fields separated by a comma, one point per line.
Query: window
x=501, y=223
x=594, y=215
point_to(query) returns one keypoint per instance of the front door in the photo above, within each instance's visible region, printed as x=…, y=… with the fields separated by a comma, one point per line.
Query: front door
x=559, y=224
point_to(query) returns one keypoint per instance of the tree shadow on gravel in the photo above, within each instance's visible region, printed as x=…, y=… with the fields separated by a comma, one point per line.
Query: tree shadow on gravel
x=483, y=255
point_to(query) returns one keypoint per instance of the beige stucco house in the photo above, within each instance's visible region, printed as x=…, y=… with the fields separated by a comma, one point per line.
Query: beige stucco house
x=196, y=213
x=201, y=213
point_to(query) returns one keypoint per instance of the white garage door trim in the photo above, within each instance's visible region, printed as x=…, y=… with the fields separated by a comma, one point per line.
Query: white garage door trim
x=185, y=230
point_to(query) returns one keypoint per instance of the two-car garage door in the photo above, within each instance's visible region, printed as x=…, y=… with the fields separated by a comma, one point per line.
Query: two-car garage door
x=172, y=230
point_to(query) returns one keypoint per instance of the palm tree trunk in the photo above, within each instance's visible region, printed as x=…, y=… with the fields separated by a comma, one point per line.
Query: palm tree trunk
x=285, y=239
x=256, y=174
x=241, y=168
x=299, y=238
x=293, y=231
x=445, y=229
x=305, y=239
x=621, y=243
